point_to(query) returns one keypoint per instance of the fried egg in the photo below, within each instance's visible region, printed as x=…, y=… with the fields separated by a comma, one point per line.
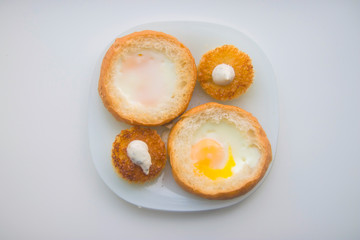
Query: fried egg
x=220, y=150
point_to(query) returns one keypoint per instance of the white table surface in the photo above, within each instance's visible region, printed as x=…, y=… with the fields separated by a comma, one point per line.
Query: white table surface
x=48, y=183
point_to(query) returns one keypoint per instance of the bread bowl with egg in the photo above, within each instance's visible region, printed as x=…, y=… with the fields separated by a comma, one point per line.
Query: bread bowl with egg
x=147, y=78
x=225, y=72
x=218, y=151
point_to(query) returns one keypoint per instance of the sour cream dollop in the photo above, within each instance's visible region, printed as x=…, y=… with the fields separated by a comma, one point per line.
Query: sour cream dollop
x=223, y=74
x=138, y=152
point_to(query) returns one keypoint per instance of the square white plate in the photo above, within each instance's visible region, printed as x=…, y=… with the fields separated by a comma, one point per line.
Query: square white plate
x=261, y=100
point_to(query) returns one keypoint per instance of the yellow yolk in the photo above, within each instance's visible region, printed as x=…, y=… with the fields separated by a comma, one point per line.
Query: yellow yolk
x=209, y=156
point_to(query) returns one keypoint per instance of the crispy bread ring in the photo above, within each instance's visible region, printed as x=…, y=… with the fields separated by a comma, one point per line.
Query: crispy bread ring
x=125, y=167
x=232, y=56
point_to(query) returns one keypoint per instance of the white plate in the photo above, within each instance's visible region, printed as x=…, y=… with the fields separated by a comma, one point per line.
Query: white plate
x=260, y=100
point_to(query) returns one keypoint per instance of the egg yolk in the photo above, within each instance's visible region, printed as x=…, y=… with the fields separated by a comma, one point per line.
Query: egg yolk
x=209, y=156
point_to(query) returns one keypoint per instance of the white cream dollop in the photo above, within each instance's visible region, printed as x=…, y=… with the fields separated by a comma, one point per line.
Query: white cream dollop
x=138, y=153
x=223, y=74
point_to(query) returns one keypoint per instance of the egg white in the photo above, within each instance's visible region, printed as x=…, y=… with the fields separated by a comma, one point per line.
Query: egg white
x=157, y=75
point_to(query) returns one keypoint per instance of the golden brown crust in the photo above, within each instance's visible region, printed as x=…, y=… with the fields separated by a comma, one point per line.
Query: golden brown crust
x=232, y=56
x=114, y=103
x=125, y=167
x=242, y=187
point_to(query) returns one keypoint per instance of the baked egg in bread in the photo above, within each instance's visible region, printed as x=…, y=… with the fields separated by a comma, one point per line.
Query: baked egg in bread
x=147, y=78
x=218, y=151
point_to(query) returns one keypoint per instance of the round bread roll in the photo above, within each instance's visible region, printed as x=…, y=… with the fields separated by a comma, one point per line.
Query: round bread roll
x=147, y=78
x=232, y=57
x=218, y=151
x=127, y=169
